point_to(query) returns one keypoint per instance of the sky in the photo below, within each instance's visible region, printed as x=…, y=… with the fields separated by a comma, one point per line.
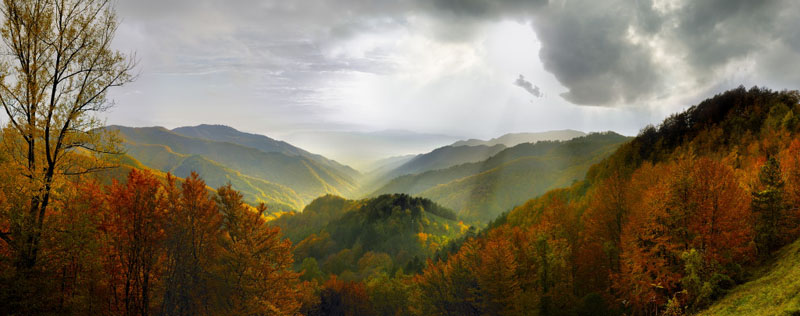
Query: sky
x=464, y=68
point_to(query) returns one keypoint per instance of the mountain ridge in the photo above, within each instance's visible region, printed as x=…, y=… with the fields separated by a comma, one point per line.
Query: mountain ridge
x=513, y=139
x=302, y=174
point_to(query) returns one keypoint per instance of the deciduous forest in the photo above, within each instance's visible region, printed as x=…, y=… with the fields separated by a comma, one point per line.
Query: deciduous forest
x=699, y=214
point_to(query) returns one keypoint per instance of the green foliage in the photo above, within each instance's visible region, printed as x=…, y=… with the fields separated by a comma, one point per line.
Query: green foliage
x=772, y=291
x=389, y=295
x=769, y=208
x=262, y=176
x=361, y=238
x=444, y=157
x=222, y=133
x=483, y=190
x=310, y=270
x=703, y=285
x=317, y=214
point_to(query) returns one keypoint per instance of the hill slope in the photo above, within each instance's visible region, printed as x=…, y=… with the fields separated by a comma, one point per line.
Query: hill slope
x=162, y=158
x=363, y=148
x=513, y=139
x=338, y=233
x=775, y=290
x=671, y=221
x=302, y=175
x=445, y=157
x=222, y=133
x=483, y=190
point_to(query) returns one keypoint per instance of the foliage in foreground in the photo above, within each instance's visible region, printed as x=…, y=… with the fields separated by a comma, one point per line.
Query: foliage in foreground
x=147, y=248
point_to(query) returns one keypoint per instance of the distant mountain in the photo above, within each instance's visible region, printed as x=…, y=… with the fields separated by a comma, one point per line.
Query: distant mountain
x=483, y=190
x=387, y=164
x=295, y=180
x=472, y=150
x=162, y=158
x=360, y=149
x=513, y=139
x=378, y=170
x=445, y=157
x=224, y=133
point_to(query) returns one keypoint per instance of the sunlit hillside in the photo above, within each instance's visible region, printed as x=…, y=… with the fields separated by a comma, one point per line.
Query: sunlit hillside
x=392, y=158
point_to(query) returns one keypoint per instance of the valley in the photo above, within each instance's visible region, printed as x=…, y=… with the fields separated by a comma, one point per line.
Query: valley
x=393, y=158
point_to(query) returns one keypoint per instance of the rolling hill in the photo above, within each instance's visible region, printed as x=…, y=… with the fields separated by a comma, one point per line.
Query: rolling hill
x=363, y=148
x=338, y=233
x=264, y=176
x=222, y=133
x=483, y=190
x=513, y=139
x=445, y=157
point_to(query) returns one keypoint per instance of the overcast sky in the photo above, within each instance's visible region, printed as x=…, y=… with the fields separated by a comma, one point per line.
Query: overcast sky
x=468, y=68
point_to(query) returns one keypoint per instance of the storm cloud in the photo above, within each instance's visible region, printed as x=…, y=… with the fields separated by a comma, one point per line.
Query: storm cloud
x=319, y=64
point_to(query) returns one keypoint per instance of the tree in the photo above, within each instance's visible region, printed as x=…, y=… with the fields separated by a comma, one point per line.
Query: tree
x=345, y=298
x=57, y=72
x=255, y=263
x=693, y=206
x=192, y=246
x=310, y=270
x=606, y=217
x=135, y=228
x=768, y=207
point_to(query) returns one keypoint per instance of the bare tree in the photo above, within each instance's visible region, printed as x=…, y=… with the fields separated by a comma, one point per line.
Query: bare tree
x=56, y=69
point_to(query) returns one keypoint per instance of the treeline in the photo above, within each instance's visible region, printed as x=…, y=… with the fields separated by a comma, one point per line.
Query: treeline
x=666, y=225
x=148, y=247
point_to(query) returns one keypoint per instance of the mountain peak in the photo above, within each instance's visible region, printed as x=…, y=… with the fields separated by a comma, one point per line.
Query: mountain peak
x=513, y=139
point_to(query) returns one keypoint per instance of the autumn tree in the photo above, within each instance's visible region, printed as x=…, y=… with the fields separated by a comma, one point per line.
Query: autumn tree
x=192, y=249
x=255, y=262
x=693, y=206
x=791, y=164
x=450, y=287
x=59, y=67
x=346, y=298
x=135, y=228
x=606, y=217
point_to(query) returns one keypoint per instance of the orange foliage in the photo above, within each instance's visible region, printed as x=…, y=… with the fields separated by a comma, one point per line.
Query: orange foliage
x=691, y=204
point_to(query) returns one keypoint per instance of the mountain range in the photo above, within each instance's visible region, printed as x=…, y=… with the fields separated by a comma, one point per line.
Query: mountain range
x=466, y=178
x=482, y=190
x=361, y=149
x=286, y=176
x=513, y=139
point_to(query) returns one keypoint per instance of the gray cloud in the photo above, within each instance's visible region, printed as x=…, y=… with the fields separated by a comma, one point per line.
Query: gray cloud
x=528, y=86
x=606, y=53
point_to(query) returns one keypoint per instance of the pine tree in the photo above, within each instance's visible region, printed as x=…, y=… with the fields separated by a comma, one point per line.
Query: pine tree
x=768, y=207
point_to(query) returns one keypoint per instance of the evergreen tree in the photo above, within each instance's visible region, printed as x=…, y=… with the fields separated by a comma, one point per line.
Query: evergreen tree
x=768, y=207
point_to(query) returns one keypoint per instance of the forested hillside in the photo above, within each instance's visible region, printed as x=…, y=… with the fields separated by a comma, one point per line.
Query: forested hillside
x=342, y=236
x=671, y=222
x=482, y=190
x=263, y=176
x=696, y=215
x=263, y=143
x=444, y=157
x=513, y=139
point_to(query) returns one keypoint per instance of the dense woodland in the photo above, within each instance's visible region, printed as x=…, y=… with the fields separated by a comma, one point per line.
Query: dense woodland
x=667, y=223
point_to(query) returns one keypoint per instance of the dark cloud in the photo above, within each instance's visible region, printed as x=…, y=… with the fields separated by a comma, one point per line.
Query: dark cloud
x=584, y=45
x=528, y=86
x=606, y=53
